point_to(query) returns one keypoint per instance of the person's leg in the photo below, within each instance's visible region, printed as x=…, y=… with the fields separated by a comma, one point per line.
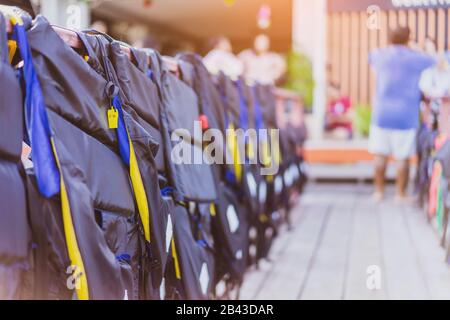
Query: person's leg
x=379, y=146
x=380, y=172
x=404, y=149
x=402, y=178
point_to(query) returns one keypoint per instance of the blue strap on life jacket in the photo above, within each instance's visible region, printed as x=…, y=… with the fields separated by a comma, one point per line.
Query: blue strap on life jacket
x=243, y=108
x=223, y=98
x=122, y=133
x=150, y=74
x=36, y=119
x=230, y=177
x=202, y=243
x=259, y=120
x=124, y=257
x=167, y=191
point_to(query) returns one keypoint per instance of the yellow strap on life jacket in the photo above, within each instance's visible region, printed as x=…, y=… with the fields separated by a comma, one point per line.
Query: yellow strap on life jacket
x=212, y=210
x=76, y=259
x=273, y=154
x=12, y=48
x=175, y=260
x=263, y=218
x=266, y=159
x=139, y=192
x=251, y=149
x=276, y=152
x=15, y=19
x=233, y=147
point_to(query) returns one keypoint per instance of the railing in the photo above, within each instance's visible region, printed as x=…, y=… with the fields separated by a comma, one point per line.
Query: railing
x=290, y=109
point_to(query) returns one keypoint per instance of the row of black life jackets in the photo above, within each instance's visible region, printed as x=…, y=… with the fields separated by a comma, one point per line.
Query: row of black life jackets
x=432, y=182
x=104, y=212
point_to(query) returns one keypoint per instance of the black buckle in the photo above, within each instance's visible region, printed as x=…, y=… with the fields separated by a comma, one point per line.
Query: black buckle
x=111, y=90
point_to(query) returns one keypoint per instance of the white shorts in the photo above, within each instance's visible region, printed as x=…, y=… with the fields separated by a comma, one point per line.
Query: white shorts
x=401, y=144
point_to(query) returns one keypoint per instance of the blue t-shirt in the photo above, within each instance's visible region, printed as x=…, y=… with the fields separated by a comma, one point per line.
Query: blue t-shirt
x=397, y=96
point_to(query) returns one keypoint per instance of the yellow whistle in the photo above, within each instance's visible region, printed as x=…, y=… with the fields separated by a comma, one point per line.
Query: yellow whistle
x=113, y=118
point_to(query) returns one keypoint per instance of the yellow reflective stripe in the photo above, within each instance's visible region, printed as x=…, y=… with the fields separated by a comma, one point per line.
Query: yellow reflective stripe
x=182, y=203
x=175, y=260
x=14, y=19
x=212, y=209
x=263, y=218
x=232, y=142
x=266, y=158
x=12, y=48
x=250, y=149
x=139, y=192
x=71, y=239
x=276, y=151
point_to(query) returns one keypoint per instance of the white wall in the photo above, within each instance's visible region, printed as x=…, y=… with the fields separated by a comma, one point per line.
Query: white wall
x=310, y=37
x=67, y=13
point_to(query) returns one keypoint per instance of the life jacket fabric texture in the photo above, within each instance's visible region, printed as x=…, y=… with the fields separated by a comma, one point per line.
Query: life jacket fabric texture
x=14, y=228
x=76, y=106
x=230, y=220
x=180, y=111
x=104, y=210
x=143, y=111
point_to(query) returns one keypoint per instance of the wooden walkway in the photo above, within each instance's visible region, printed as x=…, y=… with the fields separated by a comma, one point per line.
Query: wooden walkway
x=338, y=234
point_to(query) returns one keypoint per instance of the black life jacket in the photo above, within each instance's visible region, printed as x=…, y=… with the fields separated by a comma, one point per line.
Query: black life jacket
x=180, y=110
x=14, y=231
x=191, y=272
x=102, y=230
x=229, y=222
x=181, y=271
x=142, y=104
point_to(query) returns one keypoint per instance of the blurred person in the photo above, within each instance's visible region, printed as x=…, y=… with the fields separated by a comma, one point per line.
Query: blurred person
x=435, y=81
x=338, y=114
x=415, y=45
x=260, y=64
x=435, y=86
x=430, y=47
x=395, y=116
x=221, y=58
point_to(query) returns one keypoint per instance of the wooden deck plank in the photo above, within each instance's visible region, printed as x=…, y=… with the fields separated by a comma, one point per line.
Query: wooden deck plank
x=404, y=277
x=327, y=275
x=365, y=251
x=338, y=233
x=430, y=256
x=286, y=277
x=254, y=278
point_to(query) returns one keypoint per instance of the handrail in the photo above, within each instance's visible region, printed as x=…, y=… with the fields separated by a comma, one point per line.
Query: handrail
x=287, y=94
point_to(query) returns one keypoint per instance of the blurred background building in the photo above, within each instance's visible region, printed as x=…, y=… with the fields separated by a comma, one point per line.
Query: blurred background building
x=325, y=42
x=179, y=25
